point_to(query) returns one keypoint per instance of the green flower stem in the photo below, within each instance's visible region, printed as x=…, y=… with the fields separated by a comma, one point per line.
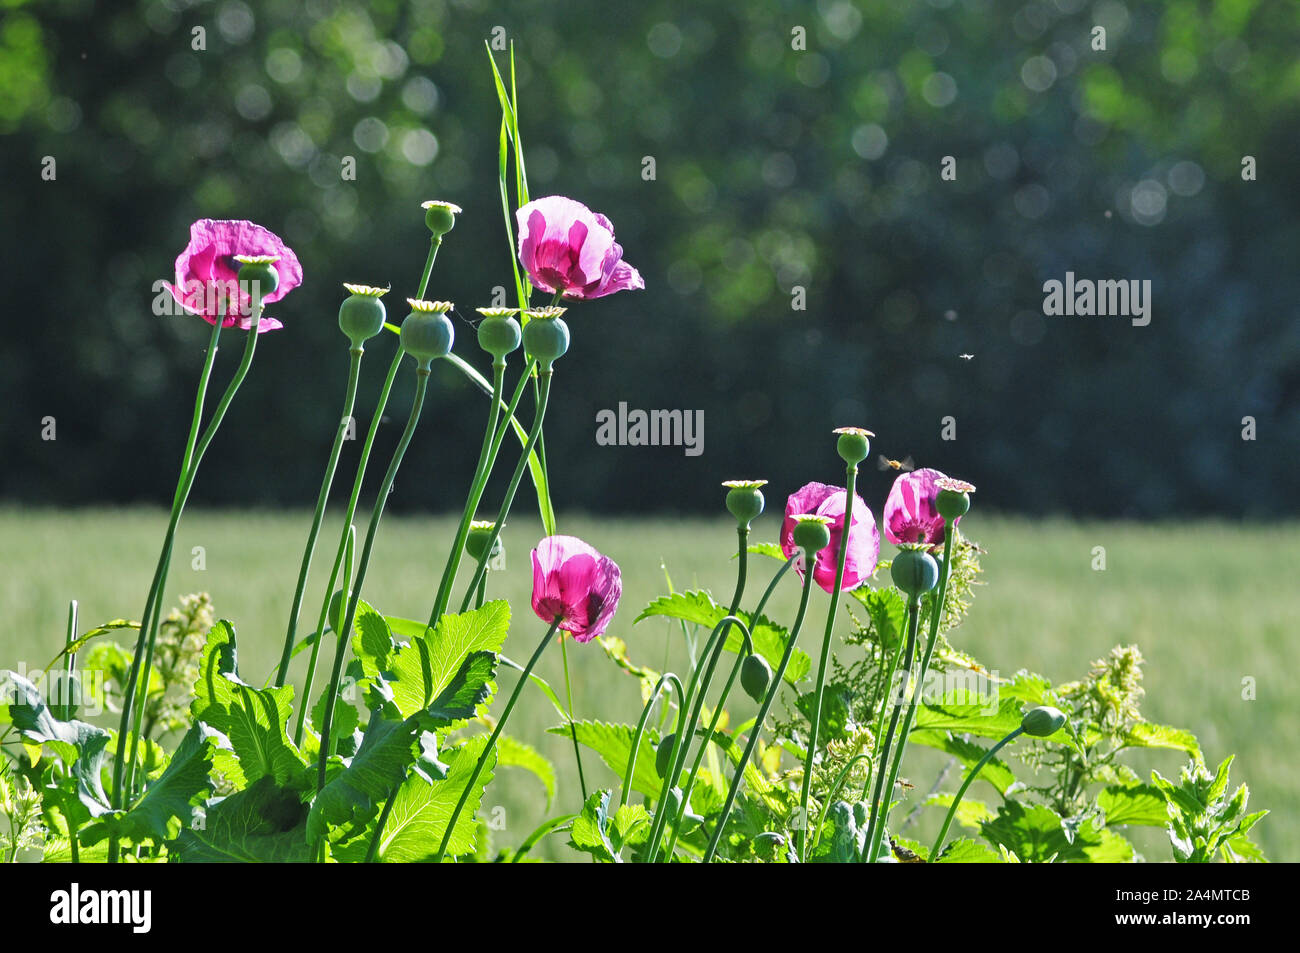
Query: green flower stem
x=918, y=686
x=543, y=396
x=573, y=728
x=376, y=514
x=834, y=793
x=722, y=701
x=667, y=677
x=961, y=792
x=496, y=733
x=373, y=850
x=434, y=244
x=348, y=516
x=700, y=687
x=481, y=593
x=768, y=699
x=801, y=835
x=160, y=576
x=876, y=826
x=70, y=665
x=349, y=399
x=481, y=471
x=681, y=743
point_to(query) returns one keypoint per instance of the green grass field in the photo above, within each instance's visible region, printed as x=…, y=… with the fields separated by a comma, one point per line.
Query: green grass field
x=1210, y=604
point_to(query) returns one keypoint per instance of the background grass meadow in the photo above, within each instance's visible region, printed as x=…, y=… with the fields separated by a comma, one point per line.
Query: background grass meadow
x=1209, y=603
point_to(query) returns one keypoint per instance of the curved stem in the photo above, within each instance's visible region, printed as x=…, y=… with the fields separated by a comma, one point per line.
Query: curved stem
x=514, y=485
x=349, y=398
x=640, y=728
x=834, y=792
x=801, y=835
x=492, y=740
x=768, y=699
x=362, y=463
x=876, y=826
x=712, y=652
x=961, y=792
x=919, y=686
x=376, y=514
x=722, y=699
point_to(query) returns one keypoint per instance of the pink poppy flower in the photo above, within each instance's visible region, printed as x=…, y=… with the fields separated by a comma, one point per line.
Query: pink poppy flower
x=573, y=581
x=819, y=499
x=910, y=516
x=566, y=247
x=207, y=275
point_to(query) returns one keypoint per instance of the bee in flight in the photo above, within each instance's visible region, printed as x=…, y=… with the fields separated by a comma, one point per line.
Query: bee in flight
x=884, y=463
x=967, y=357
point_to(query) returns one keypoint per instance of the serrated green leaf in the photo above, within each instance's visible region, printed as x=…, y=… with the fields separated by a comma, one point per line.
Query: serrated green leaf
x=970, y=813
x=168, y=803
x=253, y=719
x=421, y=670
x=967, y=851
x=421, y=811
x=614, y=744
x=261, y=824
x=1134, y=804
x=1146, y=735
x=769, y=638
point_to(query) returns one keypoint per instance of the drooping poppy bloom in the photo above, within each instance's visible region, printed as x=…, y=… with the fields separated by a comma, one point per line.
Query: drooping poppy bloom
x=566, y=247
x=910, y=514
x=573, y=581
x=207, y=275
x=818, y=499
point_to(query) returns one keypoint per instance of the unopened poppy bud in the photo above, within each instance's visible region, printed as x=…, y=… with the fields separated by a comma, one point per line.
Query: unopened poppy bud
x=755, y=676
x=953, y=499
x=1042, y=721
x=440, y=217
x=853, y=445
x=914, y=570
x=673, y=803
x=546, y=336
x=480, y=533
x=257, y=272
x=427, y=332
x=812, y=533
x=767, y=844
x=745, y=500
x=498, y=332
x=362, y=314
x=664, y=753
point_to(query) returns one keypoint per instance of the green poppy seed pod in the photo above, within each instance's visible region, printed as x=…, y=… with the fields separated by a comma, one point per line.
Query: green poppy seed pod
x=258, y=271
x=1042, y=721
x=914, y=571
x=546, y=336
x=745, y=500
x=755, y=676
x=498, y=332
x=812, y=535
x=427, y=332
x=853, y=445
x=953, y=499
x=362, y=314
x=480, y=533
x=440, y=217
x=663, y=753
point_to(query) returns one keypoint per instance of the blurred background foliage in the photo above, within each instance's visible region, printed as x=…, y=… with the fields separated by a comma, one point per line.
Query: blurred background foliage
x=775, y=168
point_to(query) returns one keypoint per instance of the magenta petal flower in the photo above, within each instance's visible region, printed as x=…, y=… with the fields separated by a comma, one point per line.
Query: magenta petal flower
x=207, y=275
x=574, y=582
x=910, y=516
x=819, y=499
x=566, y=247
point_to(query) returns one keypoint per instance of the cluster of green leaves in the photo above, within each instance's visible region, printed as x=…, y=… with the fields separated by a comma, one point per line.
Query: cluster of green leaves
x=236, y=787
x=1065, y=798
